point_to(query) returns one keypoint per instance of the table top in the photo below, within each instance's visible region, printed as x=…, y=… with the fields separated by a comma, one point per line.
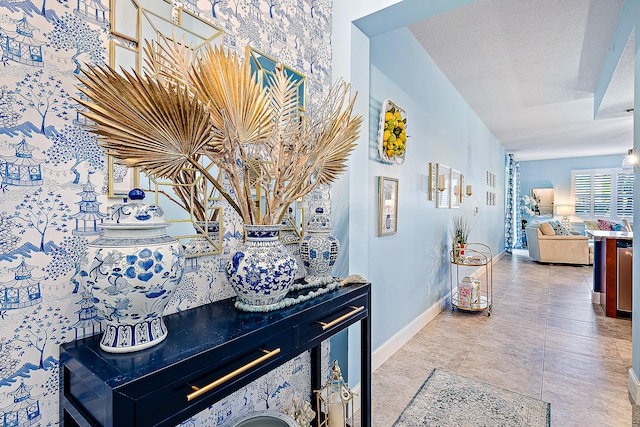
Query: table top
x=190, y=333
x=604, y=234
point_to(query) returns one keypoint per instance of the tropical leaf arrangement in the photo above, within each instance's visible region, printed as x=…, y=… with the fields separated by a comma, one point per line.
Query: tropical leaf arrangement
x=187, y=110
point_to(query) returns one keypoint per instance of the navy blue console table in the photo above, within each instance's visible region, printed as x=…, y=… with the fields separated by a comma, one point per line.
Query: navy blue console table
x=210, y=352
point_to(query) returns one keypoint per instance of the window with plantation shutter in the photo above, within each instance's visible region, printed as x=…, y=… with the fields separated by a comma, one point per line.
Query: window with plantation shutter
x=603, y=193
x=624, y=195
x=582, y=194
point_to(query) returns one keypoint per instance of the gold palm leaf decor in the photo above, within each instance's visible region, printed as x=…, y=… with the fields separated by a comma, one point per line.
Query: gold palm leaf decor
x=190, y=107
x=141, y=123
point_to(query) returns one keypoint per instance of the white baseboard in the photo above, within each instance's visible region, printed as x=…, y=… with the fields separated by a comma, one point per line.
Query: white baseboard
x=393, y=344
x=634, y=386
x=595, y=297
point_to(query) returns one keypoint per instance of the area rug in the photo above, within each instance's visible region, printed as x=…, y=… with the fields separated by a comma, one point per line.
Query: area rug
x=447, y=399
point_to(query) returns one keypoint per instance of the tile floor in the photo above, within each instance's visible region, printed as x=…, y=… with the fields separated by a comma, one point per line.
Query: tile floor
x=544, y=339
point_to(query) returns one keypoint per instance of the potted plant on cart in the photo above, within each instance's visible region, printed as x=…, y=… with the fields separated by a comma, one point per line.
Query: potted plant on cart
x=460, y=236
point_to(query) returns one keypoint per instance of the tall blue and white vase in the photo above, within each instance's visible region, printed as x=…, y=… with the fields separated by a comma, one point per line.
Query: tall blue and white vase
x=262, y=271
x=319, y=249
x=132, y=271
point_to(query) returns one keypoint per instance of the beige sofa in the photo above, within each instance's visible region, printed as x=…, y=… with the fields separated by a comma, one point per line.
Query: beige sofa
x=547, y=248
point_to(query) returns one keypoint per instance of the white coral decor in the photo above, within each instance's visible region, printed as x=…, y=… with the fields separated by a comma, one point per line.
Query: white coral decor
x=301, y=412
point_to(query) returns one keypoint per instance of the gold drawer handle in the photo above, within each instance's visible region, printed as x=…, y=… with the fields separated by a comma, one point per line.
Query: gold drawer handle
x=198, y=391
x=355, y=310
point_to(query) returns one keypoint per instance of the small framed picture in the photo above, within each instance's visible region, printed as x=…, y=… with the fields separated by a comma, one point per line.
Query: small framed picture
x=455, y=188
x=387, y=206
x=433, y=168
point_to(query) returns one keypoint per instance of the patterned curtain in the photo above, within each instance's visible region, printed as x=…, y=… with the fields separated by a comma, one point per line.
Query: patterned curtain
x=521, y=240
x=513, y=233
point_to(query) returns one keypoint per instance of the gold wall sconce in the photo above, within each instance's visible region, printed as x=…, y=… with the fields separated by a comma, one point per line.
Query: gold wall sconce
x=442, y=183
x=469, y=190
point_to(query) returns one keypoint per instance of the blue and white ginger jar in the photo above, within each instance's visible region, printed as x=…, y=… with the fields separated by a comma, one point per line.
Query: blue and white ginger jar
x=132, y=271
x=319, y=249
x=262, y=270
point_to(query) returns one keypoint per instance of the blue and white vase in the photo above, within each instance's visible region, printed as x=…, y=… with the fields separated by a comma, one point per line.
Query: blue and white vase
x=319, y=249
x=262, y=270
x=132, y=272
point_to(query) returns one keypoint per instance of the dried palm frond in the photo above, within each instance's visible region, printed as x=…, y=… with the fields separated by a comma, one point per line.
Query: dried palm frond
x=241, y=115
x=337, y=130
x=322, y=143
x=209, y=106
x=283, y=93
x=169, y=61
x=239, y=102
x=141, y=123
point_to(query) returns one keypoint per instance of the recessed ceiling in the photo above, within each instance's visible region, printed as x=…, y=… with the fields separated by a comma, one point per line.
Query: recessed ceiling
x=529, y=69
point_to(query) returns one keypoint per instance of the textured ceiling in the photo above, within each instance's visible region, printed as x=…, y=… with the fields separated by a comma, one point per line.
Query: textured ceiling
x=528, y=68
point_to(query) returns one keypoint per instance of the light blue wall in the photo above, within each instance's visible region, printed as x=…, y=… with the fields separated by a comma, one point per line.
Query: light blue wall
x=350, y=55
x=410, y=270
x=556, y=173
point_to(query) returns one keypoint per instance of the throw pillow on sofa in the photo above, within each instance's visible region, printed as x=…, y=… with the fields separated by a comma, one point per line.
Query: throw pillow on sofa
x=604, y=224
x=559, y=229
x=591, y=225
x=618, y=227
x=546, y=229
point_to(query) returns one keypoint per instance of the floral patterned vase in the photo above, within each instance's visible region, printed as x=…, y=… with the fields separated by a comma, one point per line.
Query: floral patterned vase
x=262, y=270
x=132, y=272
x=319, y=249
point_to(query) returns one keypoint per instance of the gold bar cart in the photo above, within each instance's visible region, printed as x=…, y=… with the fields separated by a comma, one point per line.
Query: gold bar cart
x=471, y=278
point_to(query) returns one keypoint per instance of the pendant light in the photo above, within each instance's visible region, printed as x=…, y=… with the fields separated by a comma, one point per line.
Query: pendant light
x=630, y=160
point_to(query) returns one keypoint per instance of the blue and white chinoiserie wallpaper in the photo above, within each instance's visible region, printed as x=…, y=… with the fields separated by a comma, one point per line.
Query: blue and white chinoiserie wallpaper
x=54, y=186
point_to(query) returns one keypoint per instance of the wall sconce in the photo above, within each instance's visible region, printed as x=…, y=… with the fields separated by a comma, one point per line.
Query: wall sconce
x=469, y=190
x=630, y=160
x=441, y=183
x=456, y=190
x=334, y=401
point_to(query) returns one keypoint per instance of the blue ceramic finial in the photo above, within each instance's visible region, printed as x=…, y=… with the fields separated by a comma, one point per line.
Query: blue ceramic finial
x=136, y=194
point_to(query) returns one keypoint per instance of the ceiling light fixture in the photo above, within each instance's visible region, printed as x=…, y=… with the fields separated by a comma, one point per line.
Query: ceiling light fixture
x=630, y=160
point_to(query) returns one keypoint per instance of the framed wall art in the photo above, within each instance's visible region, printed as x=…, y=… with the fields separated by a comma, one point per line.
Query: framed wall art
x=432, y=180
x=392, y=133
x=387, y=206
x=455, y=189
